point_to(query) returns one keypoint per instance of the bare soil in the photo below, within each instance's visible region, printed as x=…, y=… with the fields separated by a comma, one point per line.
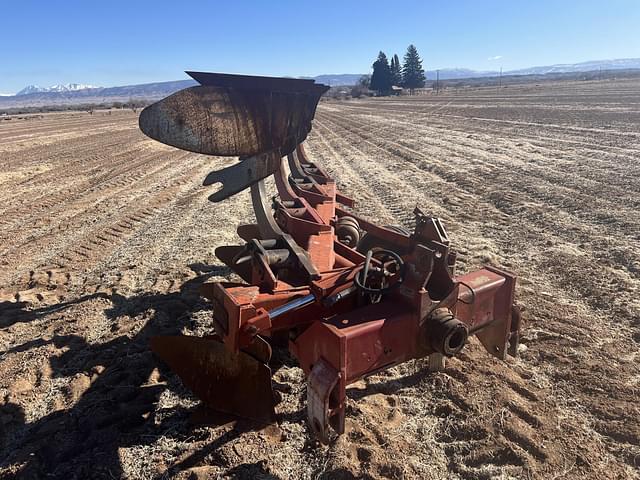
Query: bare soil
x=106, y=236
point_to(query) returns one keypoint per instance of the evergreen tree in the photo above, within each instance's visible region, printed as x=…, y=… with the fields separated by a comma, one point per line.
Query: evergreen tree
x=396, y=71
x=412, y=72
x=381, y=77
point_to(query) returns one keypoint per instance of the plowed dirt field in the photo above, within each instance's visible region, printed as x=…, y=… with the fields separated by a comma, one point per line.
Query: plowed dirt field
x=105, y=237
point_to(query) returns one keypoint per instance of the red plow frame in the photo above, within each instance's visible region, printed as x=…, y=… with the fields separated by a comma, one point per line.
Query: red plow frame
x=349, y=298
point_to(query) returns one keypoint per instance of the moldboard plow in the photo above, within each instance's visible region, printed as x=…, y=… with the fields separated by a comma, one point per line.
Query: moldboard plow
x=348, y=297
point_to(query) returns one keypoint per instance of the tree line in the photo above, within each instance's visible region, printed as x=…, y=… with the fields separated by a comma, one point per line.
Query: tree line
x=132, y=104
x=387, y=74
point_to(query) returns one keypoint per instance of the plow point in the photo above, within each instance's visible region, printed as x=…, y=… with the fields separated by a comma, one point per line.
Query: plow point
x=234, y=383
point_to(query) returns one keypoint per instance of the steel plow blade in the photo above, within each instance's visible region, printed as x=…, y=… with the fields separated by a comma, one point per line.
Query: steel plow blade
x=229, y=121
x=234, y=383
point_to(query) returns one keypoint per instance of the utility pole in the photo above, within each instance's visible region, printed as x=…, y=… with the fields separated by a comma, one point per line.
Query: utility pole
x=437, y=81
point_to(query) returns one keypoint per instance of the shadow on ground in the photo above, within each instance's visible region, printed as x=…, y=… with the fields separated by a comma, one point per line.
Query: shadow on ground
x=119, y=408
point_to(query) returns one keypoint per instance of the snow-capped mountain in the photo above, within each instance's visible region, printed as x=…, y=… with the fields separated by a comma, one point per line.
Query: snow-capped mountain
x=616, y=64
x=31, y=89
x=593, y=65
x=71, y=87
x=456, y=73
x=67, y=87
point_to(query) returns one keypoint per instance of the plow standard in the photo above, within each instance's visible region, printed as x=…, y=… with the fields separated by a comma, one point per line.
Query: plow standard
x=348, y=297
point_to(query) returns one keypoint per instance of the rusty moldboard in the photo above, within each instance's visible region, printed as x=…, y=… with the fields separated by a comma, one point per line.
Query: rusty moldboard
x=235, y=115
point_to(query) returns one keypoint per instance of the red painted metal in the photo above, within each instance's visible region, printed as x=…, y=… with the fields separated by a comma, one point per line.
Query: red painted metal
x=346, y=313
x=341, y=343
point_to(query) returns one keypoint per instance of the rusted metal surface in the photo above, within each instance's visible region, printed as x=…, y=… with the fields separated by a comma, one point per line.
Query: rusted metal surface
x=487, y=303
x=230, y=382
x=354, y=298
x=235, y=115
x=242, y=175
x=323, y=378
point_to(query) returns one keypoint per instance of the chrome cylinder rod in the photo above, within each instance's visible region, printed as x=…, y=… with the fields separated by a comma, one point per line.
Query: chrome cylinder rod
x=292, y=305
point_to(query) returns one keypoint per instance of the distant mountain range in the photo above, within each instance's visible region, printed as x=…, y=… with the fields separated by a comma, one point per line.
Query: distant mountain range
x=77, y=93
x=94, y=95
x=68, y=87
x=617, y=64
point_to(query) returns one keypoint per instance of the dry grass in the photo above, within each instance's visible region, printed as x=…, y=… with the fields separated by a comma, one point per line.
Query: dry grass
x=106, y=236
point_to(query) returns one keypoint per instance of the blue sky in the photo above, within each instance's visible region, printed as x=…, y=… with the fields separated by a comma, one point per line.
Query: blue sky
x=125, y=42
